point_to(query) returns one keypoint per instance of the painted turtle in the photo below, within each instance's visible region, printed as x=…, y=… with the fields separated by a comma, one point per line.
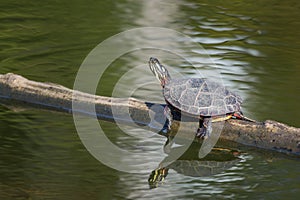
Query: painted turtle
x=197, y=97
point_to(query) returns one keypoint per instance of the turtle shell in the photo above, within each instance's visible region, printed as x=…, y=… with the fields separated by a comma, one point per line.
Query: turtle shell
x=197, y=96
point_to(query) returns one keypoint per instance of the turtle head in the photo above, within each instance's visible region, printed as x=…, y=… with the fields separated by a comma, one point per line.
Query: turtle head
x=159, y=71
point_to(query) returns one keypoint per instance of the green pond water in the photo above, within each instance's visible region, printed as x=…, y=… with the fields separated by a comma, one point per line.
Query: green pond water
x=254, y=48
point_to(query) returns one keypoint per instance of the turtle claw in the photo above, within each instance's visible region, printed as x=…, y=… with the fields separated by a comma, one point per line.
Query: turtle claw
x=202, y=133
x=165, y=131
x=166, y=128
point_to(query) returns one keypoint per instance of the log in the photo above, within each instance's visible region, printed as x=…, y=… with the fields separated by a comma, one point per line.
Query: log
x=270, y=135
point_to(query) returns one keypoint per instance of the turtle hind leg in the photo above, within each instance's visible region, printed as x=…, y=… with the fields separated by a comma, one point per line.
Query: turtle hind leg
x=204, y=129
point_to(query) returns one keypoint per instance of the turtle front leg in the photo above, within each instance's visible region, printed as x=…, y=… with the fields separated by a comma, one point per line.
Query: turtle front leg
x=169, y=117
x=204, y=129
x=167, y=128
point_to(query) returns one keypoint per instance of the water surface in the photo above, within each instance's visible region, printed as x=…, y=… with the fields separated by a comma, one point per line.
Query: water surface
x=254, y=48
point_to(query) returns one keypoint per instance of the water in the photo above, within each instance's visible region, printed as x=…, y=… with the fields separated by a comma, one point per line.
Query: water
x=254, y=48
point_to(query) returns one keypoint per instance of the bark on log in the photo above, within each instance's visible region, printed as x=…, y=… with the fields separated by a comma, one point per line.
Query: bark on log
x=269, y=135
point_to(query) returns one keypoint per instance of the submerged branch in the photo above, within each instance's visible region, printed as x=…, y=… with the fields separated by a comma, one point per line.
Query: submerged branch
x=269, y=135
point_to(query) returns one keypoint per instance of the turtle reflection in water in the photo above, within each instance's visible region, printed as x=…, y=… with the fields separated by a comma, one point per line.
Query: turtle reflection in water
x=217, y=161
x=198, y=98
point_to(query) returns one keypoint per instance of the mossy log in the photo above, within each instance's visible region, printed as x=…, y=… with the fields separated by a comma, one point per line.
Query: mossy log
x=269, y=135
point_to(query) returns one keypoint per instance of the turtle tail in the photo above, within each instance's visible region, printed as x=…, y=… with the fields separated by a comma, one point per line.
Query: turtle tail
x=240, y=116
